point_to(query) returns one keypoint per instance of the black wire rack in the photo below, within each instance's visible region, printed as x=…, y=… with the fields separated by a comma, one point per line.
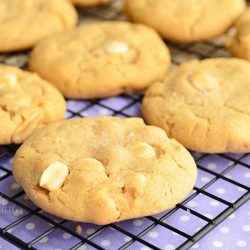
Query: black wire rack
x=180, y=54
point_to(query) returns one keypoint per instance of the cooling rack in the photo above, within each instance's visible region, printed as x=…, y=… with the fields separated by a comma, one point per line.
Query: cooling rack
x=221, y=188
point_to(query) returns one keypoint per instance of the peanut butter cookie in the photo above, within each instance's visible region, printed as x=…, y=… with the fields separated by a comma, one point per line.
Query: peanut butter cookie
x=186, y=21
x=205, y=105
x=101, y=59
x=26, y=103
x=103, y=169
x=23, y=23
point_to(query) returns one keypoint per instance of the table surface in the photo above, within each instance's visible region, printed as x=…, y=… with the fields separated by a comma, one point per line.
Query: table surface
x=223, y=182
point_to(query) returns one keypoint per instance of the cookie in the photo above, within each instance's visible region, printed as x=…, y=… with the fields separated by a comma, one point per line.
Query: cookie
x=185, y=21
x=89, y=3
x=101, y=59
x=205, y=105
x=107, y=170
x=238, y=39
x=26, y=103
x=23, y=23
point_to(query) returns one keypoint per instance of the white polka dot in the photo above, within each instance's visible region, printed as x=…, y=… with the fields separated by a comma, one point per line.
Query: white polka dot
x=67, y=236
x=247, y=175
x=30, y=226
x=246, y=228
x=153, y=234
x=15, y=186
x=44, y=240
x=224, y=230
x=3, y=201
x=105, y=243
x=232, y=216
x=210, y=216
x=217, y=243
x=90, y=231
x=220, y=191
x=184, y=218
x=195, y=246
x=104, y=112
x=192, y=204
x=214, y=203
x=169, y=247
x=144, y=248
x=137, y=223
x=17, y=212
x=241, y=189
x=127, y=238
x=211, y=166
x=241, y=243
x=81, y=248
x=205, y=179
x=85, y=113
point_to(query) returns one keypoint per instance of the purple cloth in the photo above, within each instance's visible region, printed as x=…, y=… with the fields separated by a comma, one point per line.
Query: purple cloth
x=231, y=234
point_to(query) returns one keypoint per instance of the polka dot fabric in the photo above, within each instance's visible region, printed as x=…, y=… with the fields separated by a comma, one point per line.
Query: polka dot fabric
x=176, y=225
x=231, y=234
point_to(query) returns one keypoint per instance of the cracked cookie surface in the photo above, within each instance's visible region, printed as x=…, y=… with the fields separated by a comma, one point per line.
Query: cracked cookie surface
x=118, y=169
x=89, y=3
x=101, y=59
x=23, y=23
x=238, y=38
x=205, y=105
x=186, y=21
x=26, y=103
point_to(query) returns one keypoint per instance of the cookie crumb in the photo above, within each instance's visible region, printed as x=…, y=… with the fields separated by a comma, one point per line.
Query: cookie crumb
x=78, y=229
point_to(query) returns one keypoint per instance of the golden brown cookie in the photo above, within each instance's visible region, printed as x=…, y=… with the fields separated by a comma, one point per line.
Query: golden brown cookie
x=238, y=39
x=26, y=103
x=205, y=105
x=23, y=23
x=103, y=169
x=186, y=21
x=101, y=59
x=89, y=3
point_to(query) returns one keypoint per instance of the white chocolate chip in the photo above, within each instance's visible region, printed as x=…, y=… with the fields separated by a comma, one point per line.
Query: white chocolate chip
x=204, y=82
x=143, y=150
x=28, y=3
x=135, y=184
x=8, y=80
x=116, y=47
x=54, y=176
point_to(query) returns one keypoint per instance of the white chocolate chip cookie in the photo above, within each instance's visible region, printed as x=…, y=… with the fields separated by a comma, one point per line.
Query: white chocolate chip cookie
x=26, y=103
x=205, y=105
x=103, y=169
x=185, y=21
x=23, y=23
x=101, y=59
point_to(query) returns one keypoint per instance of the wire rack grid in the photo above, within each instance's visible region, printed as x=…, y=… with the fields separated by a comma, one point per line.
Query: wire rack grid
x=18, y=212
